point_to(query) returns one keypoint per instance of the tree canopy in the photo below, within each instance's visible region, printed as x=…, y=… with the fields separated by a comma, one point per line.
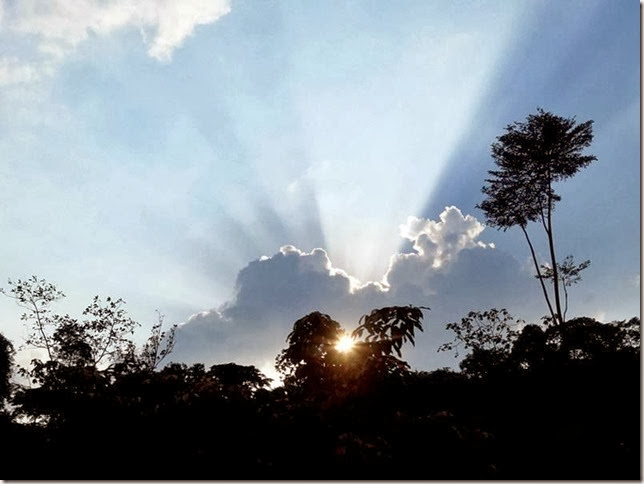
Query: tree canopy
x=313, y=362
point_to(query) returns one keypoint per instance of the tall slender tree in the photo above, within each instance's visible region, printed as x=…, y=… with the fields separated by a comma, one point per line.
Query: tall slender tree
x=531, y=156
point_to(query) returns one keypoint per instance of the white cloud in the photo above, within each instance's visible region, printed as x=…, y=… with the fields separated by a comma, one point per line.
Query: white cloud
x=442, y=241
x=175, y=21
x=39, y=34
x=436, y=244
x=273, y=292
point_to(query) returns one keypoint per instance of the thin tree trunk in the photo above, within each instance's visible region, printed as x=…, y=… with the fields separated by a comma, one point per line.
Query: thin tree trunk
x=540, y=277
x=41, y=328
x=553, y=259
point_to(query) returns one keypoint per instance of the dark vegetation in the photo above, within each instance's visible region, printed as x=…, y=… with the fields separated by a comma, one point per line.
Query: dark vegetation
x=554, y=400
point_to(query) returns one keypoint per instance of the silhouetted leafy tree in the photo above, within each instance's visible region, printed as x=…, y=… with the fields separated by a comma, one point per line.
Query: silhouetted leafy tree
x=312, y=359
x=587, y=338
x=488, y=334
x=157, y=347
x=36, y=295
x=101, y=337
x=531, y=156
x=83, y=356
x=532, y=348
x=387, y=329
x=569, y=274
x=239, y=380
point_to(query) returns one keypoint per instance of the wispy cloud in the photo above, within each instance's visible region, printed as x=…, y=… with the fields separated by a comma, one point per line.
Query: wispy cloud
x=39, y=34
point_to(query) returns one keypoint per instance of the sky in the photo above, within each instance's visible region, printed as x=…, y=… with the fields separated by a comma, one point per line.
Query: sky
x=236, y=165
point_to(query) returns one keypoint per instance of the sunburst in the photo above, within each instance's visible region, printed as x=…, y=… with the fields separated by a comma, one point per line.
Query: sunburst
x=344, y=344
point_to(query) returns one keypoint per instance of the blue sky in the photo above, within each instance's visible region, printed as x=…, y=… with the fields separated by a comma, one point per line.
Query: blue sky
x=189, y=157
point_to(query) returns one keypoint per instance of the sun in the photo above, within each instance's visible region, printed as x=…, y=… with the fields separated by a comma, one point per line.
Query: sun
x=344, y=344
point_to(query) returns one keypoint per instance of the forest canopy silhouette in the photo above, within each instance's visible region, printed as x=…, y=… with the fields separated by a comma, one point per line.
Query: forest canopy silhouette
x=553, y=399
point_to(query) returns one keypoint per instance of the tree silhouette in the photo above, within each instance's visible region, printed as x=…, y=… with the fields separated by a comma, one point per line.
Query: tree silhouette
x=589, y=339
x=387, y=329
x=102, y=337
x=158, y=346
x=488, y=335
x=239, y=380
x=312, y=362
x=35, y=295
x=308, y=360
x=569, y=274
x=6, y=367
x=531, y=157
x=84, y=356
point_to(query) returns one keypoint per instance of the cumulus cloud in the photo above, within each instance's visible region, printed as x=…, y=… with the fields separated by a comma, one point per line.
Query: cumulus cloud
x=436, y=244
x=271, y=293
x=39, y=34
x=441, y=241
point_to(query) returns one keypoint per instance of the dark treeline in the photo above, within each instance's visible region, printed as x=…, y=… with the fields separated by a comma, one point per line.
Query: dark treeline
x=530, y=402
